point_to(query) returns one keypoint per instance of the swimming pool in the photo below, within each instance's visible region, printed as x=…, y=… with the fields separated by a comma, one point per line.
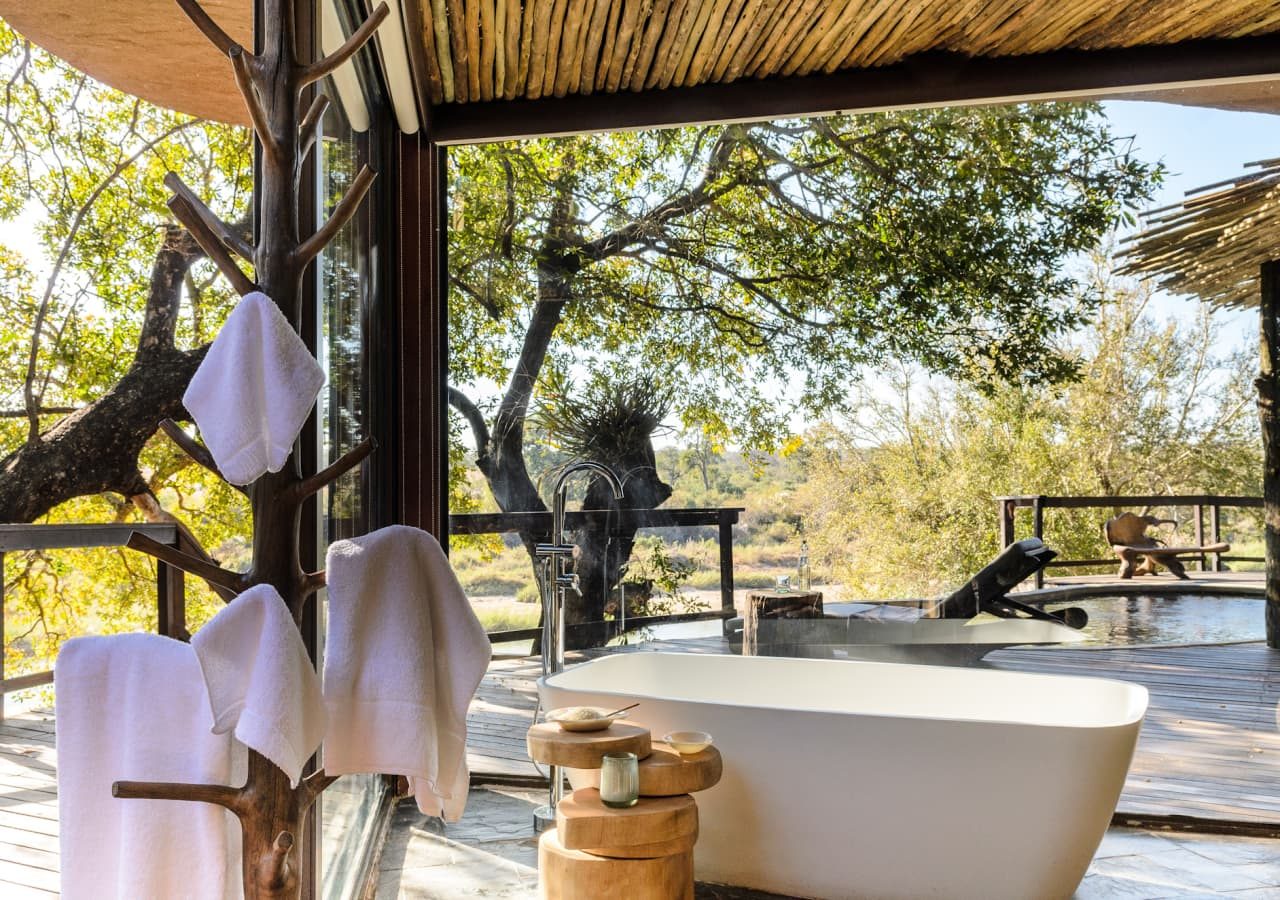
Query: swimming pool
x=1169, y=619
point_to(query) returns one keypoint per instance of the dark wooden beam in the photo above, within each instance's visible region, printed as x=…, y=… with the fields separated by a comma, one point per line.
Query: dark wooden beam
x=421, y=367
x=930, y=79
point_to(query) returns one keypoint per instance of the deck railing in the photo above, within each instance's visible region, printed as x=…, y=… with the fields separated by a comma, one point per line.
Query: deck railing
x=170, y=585
x=724, y=518
x=1199, y=504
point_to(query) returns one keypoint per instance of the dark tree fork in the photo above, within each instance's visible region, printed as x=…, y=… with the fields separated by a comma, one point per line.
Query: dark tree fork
x=273, y=82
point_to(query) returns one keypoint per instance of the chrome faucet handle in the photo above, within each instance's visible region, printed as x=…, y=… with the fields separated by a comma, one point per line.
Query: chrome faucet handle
x=550, y=550
x=569, y=581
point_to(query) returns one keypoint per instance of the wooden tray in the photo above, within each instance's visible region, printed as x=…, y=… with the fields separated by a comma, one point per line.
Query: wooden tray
x=550, y=745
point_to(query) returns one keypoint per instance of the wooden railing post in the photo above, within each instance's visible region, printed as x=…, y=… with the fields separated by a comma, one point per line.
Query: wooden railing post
x=726, y=558
x=1197, y=513
x=1037, y=519
x=1007, y=507
x=1215, y=534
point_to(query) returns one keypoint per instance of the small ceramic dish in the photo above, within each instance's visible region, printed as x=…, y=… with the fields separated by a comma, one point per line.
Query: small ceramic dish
x=599, y=722
x=686, y=743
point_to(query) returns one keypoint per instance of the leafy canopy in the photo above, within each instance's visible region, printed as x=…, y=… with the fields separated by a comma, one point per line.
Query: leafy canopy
x=732, y=260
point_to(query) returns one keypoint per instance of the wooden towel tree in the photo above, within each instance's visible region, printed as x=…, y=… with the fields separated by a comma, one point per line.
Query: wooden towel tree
x=273, y=82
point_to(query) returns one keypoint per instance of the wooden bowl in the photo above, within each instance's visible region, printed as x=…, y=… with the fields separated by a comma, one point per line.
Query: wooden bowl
x=600, y=723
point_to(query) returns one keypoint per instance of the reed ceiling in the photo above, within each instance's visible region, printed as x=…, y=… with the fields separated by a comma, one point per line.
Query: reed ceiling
x=473, y=51
x=479, y=50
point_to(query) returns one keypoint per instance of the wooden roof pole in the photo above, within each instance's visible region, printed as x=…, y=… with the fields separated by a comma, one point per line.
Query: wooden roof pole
x=1268, y=393
x=271, y=812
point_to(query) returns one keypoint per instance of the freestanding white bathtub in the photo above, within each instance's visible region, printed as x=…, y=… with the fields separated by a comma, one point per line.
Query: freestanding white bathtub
x=865, y=779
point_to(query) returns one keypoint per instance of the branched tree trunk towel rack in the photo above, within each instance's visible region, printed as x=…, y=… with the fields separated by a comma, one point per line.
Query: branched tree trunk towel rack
x=271, y=812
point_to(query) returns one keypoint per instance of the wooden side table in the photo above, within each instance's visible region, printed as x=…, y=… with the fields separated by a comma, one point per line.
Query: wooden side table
x=642, y=852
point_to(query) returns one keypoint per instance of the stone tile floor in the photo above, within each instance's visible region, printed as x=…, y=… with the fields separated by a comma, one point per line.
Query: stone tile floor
x=491, y=853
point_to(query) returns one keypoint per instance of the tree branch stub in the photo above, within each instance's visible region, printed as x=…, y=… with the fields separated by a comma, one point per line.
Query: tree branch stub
x=225, y=582
x=211, y=244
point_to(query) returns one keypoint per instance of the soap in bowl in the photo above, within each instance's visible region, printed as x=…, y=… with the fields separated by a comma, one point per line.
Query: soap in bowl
x=583, y=718
x=687, y=743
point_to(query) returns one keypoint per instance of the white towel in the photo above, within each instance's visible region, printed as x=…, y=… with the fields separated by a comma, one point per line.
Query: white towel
x=253, y=391
x=260, y=680
x=404, y=656
x=132, y=707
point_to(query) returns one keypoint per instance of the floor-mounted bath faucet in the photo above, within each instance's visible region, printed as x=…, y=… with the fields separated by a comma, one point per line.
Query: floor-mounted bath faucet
x=556, y=580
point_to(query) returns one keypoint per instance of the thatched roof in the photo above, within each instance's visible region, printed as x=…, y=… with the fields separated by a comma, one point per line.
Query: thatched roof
x=487, y=49
x=1212, y=244
x=473, y=51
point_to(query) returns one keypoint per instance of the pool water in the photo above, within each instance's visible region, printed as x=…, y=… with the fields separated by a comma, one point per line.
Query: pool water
x=1170, y=619
x=1114, y=621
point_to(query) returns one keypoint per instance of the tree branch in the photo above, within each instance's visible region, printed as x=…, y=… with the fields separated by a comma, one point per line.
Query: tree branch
x=42, y=411
x=217, y=576
x=223, y=231
x=194, y=449
x=309, y=130
x=358, y=39
x=479, y=428
x=211, y=245
x=257, y=114
x=211, y=30
x=217, y=794
x=342, y=213
x=326, y=476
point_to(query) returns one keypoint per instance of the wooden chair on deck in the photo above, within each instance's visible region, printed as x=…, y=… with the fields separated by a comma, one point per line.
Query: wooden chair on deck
x=1141, y=554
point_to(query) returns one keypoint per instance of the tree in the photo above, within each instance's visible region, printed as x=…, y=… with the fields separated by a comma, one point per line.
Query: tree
x=899, y=497
x=726, y=260
x=108, y=309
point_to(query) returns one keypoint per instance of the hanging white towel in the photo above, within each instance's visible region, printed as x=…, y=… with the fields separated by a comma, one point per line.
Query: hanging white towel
x=404, y=656
x=132, y=707
x=253, y=391
x=260, y=680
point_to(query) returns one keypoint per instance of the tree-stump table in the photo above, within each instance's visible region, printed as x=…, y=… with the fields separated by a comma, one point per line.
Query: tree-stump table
x=642, y=852
x=761, y=606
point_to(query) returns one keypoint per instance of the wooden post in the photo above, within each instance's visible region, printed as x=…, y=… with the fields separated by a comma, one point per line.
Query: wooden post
x=1268, y=391
x=1037, y=519
x=1197, y=514
x=726, y=558
x=272, y=81
x=1008, y=506
x=1215, y=534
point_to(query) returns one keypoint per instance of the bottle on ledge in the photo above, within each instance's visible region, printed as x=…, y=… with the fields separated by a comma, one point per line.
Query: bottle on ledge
x=803, y=575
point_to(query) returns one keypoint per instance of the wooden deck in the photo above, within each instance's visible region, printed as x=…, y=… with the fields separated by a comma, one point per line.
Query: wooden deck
x=1210, y=747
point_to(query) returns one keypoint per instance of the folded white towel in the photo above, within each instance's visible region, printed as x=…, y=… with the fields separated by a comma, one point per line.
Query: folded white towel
x=404, y=656
x=132, y=707
x=253, y=391
x=260, y=680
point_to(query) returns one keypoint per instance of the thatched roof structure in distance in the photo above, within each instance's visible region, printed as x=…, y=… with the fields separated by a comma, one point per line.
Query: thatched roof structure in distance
x=1213, y=243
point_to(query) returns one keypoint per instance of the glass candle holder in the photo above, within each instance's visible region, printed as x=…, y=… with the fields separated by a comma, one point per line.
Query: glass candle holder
x=620, y=780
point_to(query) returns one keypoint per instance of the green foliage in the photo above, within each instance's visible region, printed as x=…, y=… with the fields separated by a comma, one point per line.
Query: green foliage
x=726, y=260
x=81, y=194
x=607, y=418
x=900, y=498
x=662, y=576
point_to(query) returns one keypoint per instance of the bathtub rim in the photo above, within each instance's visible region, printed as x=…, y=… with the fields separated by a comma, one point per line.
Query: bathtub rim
x=1140, y=697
